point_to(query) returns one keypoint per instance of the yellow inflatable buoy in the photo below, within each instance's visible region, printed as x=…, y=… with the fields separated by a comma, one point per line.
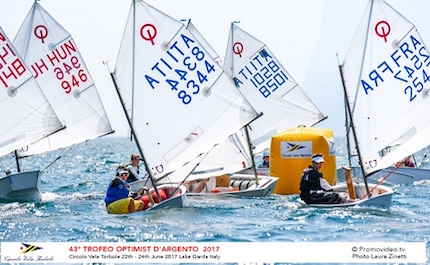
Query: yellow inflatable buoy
x=291, y=152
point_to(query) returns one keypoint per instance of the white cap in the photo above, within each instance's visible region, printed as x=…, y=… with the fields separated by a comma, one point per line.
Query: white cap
x=318, y=158
x=121, y=171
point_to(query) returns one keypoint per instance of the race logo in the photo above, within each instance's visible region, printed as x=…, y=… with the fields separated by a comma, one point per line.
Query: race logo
x=28, y=248
x=296, y=149
x=15, y=252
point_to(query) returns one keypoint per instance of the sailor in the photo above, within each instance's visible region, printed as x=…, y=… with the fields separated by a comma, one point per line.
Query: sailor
x=314, y=188
x=266, y=160
x=407, y=162
x=133, y=168
x=118, y=200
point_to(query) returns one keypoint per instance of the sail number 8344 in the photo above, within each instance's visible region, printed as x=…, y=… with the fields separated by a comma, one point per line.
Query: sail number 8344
x=183, y=68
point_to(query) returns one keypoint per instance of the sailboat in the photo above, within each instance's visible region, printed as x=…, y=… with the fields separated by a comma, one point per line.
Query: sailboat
x=26, y=117
x=393, y=174
x=269, y=88
x=405, y=121
x=267, y=85
x=385, y=75
x=58, y=67
x=178, y=101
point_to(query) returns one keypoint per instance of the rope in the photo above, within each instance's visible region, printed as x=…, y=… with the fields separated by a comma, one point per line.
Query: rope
x=379, y=183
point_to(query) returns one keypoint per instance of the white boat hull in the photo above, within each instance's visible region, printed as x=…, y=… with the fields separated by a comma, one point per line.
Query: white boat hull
x=240, y=185
x=20, y=186
x=381, y=196
x=137, y=185
x=401, y=175
x=175, y=196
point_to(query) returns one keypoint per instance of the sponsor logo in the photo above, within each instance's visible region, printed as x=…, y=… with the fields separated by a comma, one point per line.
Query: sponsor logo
x=26, y=248
x=296, y=149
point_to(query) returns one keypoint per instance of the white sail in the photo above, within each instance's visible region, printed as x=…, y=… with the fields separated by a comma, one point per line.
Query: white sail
x=193, y=30
x=55, y=61
x=180, y=100
x=26, y=114
x=268, y=87
x=232, y=155
x=386, y=72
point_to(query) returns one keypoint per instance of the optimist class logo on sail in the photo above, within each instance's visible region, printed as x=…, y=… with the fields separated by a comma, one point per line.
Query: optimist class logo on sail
x=407, y=65
x=183, y=69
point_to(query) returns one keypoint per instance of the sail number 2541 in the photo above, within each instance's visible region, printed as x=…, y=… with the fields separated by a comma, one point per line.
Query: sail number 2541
x=408, y=65
x=417, y=85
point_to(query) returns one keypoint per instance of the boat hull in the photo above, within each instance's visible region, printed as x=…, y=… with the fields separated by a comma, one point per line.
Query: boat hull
x=401, y=175
x=381, y=196
x=241, y=185
x=20, y=186
x=175, y=196
x=138, y=184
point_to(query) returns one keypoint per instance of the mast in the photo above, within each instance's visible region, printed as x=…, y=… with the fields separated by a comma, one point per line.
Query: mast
x=355, y=98
x=133, y=68
x=18, y=169
x=347, y=127
x=248, y=138
x=24, y=56
x=133, y=133
x=251, y=153
x=345, y=94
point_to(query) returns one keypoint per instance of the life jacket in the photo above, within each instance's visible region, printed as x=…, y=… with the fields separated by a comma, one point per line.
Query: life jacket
x=265, y=164
x=310, y=180
x=409, y=164
x=117, y=189
x=131, y=177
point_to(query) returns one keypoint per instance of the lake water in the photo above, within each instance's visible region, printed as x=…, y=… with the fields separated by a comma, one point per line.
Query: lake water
x=72, y=209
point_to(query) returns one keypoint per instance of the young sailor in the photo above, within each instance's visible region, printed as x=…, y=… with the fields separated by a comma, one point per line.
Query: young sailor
x=266, y=160
x=118, y=200
x=314, y=188
x=133, y=168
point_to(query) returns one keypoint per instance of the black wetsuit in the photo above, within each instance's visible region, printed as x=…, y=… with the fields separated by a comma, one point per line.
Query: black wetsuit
x=311, y=190
x=131, y=176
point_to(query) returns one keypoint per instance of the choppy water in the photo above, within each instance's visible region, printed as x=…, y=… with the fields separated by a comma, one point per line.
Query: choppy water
x=72, y=209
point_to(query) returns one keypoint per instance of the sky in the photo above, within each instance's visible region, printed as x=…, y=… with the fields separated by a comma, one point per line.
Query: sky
x=309, y=37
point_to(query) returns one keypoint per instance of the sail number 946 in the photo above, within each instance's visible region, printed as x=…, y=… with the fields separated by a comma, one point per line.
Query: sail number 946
x=68, y=68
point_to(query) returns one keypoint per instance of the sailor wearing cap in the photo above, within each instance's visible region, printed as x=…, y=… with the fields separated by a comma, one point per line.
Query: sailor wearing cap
x=117, y=196
x=266, y=160
x=314, y=188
